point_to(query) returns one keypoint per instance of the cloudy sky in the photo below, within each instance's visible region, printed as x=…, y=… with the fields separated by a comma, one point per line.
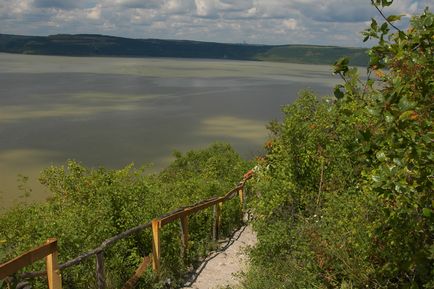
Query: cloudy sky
x=329, y=22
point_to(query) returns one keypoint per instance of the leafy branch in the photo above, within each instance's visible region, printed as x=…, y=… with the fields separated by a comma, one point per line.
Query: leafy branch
x=389, y=19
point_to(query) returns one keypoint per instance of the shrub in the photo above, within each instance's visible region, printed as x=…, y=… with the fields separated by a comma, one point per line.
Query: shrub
x=346, y=186
x=90, y=205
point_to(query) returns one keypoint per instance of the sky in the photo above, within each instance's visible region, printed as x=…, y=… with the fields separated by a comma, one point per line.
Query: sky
x=321, y=22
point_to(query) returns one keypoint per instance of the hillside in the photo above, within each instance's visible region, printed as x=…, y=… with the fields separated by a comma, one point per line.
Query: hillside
x=342, y=197
x=101, y=45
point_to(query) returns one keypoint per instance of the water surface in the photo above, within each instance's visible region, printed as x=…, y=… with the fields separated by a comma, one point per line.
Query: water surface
x=114, y=111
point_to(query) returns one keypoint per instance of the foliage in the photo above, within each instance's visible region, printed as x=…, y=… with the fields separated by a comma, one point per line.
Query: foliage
x=346, y=187
x=91, y=205
x=344, y=195
x=312, y=54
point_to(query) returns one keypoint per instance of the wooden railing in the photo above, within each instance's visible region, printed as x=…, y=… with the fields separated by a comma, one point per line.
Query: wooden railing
x=49, y=250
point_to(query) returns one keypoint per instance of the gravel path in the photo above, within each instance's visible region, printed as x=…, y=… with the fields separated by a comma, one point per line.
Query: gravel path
x=221, y=267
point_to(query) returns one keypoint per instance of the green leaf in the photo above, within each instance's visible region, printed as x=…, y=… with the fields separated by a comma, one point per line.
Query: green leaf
x=397, y=161
x=338, y=91
x=374, y=111
x=429, y=20
x=393, y=18
x=381, y=156
x=389, y=117
x=341, y=65
x=376, y=179
x=402, y=35
x=384, y=28
x=386, y=3
x=427, y=212
x=405, y=104
x=406, y=115
x=374, y=24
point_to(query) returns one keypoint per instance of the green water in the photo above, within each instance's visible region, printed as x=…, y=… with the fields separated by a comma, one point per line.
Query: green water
x=114, y=111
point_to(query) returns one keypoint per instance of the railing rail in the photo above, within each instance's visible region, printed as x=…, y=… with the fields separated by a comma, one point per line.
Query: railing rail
x=49, y=250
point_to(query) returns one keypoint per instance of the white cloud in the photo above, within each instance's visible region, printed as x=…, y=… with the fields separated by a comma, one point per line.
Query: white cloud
x=179, y=6
x=290, y=23
x=11, y=9
x=205, y=7
x=64, y=4
x=352, y=11
x=234, y=5
x=94, y=13
x=275, y=9
x=336, y=22
x=144, y=4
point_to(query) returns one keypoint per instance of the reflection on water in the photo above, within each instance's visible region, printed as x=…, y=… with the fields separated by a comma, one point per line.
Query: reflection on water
x=114, y=111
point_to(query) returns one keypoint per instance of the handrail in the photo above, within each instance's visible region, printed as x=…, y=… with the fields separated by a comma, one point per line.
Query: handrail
x=84, y=256
x=156, y=224
x=178, y=213
x=48, y=251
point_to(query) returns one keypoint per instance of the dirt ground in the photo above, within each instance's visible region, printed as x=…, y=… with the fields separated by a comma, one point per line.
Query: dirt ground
x=221, y=268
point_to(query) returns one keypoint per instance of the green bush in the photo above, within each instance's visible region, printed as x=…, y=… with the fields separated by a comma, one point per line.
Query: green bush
x=91, y=205
x=346, y=187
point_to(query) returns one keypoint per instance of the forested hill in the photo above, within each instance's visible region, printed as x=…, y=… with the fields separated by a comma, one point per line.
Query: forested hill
x=101, y=45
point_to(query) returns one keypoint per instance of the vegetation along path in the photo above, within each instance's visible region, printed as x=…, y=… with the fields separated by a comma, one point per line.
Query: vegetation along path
x=221, y=268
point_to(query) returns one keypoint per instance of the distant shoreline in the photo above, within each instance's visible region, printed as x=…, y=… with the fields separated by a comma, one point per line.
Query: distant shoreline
x=91, y=45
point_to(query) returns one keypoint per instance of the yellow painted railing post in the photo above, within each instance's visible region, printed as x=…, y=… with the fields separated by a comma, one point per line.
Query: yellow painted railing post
x=241, y=195
x=156, y=245
x=53, y=272
x=138, y=273
x=184, y=234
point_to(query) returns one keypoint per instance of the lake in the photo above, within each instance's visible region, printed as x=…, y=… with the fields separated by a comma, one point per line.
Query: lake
x=114, y=111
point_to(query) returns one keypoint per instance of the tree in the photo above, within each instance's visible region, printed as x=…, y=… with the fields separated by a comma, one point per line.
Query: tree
x=347, y=190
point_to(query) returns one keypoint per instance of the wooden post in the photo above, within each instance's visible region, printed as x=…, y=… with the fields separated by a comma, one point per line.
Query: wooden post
x=217, y=220
x=53, y=272
x=241, y=195
x=138, y=273
x=100, y=274
x=156, y=245
x=184, y=235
